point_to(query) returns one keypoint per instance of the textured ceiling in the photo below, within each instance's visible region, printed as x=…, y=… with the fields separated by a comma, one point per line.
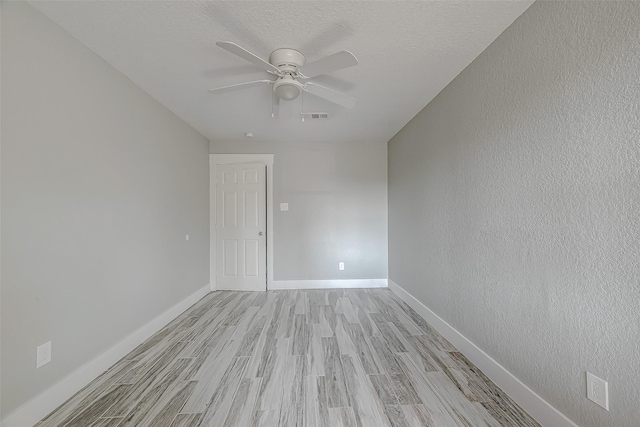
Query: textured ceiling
x=408, y=52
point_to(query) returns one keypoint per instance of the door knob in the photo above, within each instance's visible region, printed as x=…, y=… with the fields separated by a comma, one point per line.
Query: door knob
x=260, y=233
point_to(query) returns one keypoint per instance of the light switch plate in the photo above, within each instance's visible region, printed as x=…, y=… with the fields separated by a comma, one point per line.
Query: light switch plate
x=284, y=207
x=43, y=354
x=598, y=390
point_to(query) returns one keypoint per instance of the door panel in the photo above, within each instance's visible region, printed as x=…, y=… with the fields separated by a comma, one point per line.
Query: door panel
x=250, y=177
x=230, y=178
x=230, y=261
x=251, y=211
x=241, y=244
x=229, y=210
x=251, y=267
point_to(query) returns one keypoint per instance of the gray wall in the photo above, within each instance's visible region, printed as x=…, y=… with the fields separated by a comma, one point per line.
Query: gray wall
x=100, y=184
x=337, y=195
x=514, y=204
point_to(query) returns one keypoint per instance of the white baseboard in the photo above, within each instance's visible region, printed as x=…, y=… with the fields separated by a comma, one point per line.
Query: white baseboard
x=535, y=405
x=39, y=407
x=328, y=284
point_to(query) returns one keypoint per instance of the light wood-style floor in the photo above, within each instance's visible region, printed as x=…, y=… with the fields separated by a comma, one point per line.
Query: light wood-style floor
x=293, y=358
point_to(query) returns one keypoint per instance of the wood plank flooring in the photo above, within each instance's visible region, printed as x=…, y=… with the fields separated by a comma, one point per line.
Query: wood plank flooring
x=325, y=358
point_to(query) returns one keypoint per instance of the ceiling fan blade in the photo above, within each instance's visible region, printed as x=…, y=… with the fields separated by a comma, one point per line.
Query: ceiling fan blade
x=239, y=86
x=248, y=56
x=330, y=95
x=334, y=62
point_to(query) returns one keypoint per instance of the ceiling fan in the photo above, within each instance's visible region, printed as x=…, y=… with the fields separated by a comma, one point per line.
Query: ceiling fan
x=292, y=73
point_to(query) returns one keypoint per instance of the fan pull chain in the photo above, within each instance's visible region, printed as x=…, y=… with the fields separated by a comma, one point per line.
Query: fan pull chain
x=273, y=101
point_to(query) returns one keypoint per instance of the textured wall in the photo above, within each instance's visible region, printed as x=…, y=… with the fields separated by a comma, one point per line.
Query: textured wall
x=100, y=184
x=337, y=195
x=514, y=204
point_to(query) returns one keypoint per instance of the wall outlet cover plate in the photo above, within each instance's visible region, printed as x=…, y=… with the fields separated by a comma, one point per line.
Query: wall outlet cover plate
x=43, y=354
x=598, y=390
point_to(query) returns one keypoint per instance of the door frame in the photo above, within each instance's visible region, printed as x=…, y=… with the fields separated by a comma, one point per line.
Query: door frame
x=225, y=159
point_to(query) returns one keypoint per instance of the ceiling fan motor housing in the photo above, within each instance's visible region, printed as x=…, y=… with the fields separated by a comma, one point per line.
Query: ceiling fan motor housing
x=287, y=60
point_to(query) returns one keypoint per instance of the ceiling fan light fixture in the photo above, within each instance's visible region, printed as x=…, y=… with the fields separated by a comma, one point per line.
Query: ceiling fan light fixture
x=287, y=91
x=287, y=88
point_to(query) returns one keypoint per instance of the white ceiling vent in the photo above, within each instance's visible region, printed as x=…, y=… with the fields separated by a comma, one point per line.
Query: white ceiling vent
x=314, y=116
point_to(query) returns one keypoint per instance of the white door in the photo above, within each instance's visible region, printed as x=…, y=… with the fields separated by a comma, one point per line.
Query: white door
x=241, y=225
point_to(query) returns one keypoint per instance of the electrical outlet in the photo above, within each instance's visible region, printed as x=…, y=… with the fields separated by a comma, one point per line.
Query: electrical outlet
x=341, y=266
x=598, y=390
x=43, y=354
x=284, y=207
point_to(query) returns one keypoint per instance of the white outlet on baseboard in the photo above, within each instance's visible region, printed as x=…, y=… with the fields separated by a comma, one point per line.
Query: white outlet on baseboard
x=598, y=390
x=43, y=354
x=341, y=266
